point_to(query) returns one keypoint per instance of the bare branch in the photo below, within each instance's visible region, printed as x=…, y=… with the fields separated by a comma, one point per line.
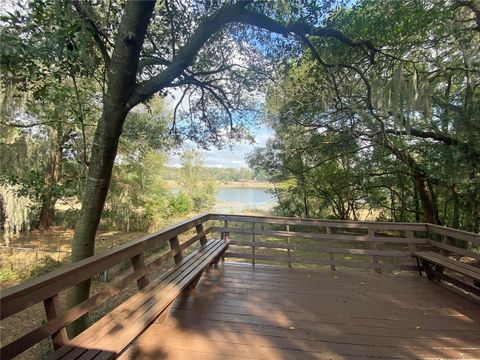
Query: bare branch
x=173, y=128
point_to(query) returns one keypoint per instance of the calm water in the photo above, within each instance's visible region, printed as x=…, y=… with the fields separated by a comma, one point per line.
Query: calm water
x=238, y=199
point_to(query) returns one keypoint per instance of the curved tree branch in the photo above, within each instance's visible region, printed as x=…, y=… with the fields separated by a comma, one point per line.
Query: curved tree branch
x=232, y=13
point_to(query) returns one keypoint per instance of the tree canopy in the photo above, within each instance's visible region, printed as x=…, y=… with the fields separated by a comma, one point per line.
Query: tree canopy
x=399, y=136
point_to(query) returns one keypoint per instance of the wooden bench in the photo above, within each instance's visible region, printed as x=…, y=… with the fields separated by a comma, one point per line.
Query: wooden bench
x=434, y=265
x=109, y=336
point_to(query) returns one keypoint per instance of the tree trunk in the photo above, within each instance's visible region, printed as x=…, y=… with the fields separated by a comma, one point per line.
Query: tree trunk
x=416, y=202
x=392, y=205
x=45, y=221
x=430, y=211
x=104, y=150
x=424, y=190
x=52, y=178
x=472, y=216
x=121, y=83
x=456, y=208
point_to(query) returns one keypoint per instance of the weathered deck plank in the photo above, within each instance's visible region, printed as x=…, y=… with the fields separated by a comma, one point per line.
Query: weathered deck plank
x=277, y=313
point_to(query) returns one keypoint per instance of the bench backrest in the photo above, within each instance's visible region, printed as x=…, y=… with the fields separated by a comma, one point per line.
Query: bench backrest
x=455, y=242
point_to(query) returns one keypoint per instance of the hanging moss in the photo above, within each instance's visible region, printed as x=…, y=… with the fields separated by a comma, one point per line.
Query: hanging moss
x=16, y=211
x=404, y=95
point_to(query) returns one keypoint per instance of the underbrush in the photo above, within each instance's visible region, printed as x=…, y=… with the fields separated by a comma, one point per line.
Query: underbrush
x=17, y=268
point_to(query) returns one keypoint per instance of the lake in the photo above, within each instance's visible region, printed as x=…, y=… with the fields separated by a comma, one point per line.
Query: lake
x=237, y=199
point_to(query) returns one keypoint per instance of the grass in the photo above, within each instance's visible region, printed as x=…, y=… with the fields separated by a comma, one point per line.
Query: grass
x=43, y=251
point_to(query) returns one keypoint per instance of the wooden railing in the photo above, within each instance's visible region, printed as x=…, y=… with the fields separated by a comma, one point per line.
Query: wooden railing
x=454, y=242
x=47, y=288
x=380, y=246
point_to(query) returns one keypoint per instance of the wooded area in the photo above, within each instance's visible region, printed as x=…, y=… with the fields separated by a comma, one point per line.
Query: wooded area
x=374, y=106
x=399, y=134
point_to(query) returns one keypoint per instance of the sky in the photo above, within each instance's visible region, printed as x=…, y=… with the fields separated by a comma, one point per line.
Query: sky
x=233, y=157
x=229, y=157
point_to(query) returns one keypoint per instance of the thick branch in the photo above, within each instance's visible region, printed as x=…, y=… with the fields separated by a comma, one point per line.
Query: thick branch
x=303, y=29
x=233, y=13
x=470, y=5
x=186, y=55
x=447, y=140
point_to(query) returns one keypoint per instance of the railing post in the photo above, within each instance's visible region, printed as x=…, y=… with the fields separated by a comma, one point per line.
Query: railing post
x=289, y=254
x=225, y=235
x=203, y=239
x=138, y=262
x=175, y=244
x=105, y=277
x=409, y=235
x=376, y=262
x=253, y=245
x=446, y=240
x=332, y=244
x=52, y=310
x=412, y=248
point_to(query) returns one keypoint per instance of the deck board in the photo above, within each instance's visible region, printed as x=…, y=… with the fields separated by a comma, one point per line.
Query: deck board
x=241, y=312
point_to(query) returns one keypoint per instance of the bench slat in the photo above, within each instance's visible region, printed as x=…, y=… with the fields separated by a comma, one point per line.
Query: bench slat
x=136, y=301
x=117, y=329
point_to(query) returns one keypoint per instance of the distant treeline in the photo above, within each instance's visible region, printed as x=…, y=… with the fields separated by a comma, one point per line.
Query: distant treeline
x=221, y=174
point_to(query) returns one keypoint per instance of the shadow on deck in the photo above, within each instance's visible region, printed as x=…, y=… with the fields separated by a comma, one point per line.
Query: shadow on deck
x=238, y=311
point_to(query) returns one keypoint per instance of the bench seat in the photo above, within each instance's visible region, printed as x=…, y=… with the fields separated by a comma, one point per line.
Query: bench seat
x=434, y=264
x=110, y=335
x=445, y=262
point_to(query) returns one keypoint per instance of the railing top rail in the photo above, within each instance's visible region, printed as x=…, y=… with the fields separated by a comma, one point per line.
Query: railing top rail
x=455, y=233
x=316, y=222
x=47, y=285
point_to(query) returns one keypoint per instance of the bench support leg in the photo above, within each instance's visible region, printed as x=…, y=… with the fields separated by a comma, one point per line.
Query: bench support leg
x=419, y=266
x=195, y=281
x=217, y=259
x=52, y=309
x=428, y=268
x=439, y=272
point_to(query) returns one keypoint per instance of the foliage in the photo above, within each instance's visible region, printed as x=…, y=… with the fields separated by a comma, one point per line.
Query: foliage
x=195, y=183
x=139, y=198
x=397, y=134
x=220, y=174
x=26, y=270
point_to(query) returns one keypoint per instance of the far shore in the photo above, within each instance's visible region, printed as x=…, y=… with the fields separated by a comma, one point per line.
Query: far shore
x=232, y=184
x=247, y=184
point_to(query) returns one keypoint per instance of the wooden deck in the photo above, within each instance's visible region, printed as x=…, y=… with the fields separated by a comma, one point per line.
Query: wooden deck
x=244, y=312
x=259, y=312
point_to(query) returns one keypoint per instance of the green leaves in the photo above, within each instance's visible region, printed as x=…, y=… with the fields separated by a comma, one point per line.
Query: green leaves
x=397, y=127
